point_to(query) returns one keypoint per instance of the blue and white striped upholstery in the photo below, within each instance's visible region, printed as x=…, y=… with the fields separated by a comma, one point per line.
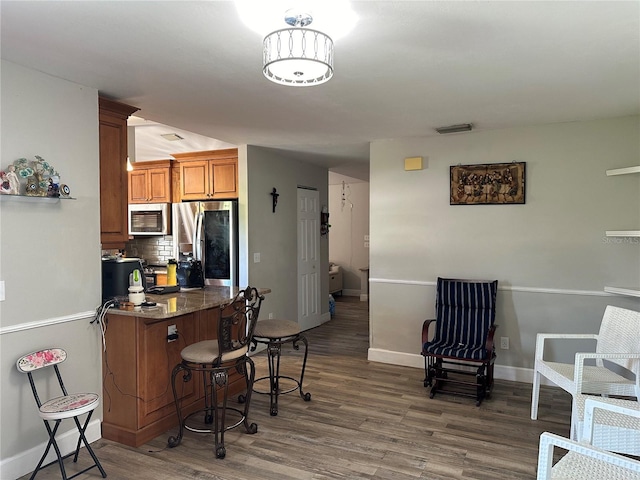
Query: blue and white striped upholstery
x=465, y=311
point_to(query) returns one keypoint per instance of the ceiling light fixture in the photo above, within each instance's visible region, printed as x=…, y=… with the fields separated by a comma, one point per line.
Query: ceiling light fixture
x=298, y=56
x=463, y=127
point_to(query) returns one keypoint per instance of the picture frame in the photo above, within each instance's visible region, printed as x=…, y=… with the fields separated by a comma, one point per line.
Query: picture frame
x=488, y=184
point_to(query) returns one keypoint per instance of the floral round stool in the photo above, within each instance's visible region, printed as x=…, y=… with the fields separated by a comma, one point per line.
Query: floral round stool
x=274, y=333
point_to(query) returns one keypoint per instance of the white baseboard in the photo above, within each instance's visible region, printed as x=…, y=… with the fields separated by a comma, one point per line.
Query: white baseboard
x=24, y=462
x=501, y=372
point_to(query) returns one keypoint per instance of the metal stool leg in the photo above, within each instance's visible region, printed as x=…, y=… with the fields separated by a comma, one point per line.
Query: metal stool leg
x=274, y=355
x=216, y=395
x=274, y=351
x=305, y=396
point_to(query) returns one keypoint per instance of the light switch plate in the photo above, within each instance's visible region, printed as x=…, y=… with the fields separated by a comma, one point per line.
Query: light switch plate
x=1, y=290
x=256, y=258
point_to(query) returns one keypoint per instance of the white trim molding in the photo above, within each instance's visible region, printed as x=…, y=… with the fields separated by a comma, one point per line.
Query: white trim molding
x=513, y=288
x=46, y=322
x=501, y=372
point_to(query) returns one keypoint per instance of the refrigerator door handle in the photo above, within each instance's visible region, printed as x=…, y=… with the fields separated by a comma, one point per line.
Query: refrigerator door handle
x=197, y=237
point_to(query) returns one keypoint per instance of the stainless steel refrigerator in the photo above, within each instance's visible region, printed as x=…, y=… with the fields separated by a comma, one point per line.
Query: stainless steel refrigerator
x=208, y=232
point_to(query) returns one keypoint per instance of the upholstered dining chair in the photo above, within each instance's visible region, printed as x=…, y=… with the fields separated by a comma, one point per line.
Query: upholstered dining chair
x=55, y=410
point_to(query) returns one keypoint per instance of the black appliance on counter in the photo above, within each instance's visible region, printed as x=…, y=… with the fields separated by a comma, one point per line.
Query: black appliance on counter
x=115, y=276
x=189, y=273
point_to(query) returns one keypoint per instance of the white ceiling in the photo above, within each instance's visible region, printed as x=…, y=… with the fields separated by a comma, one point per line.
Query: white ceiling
x=406, y=68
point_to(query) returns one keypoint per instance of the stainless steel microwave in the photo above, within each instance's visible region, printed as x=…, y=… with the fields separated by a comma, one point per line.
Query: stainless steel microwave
x=149, y=218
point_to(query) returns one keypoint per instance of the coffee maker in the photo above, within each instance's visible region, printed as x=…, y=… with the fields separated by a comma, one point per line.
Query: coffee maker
x=115, y=276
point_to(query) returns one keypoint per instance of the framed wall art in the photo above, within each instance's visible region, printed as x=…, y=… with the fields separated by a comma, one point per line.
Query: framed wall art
x=488, y=184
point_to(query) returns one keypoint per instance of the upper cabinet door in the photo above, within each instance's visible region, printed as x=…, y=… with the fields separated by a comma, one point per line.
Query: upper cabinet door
x=208, y=175
x=159, y=185
x=113, y=172
x=150, y=182
x=224, y=178
x=138, y=187
x=194, y=180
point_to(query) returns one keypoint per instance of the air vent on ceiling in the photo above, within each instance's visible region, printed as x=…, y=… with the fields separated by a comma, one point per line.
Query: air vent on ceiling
x=463, y=127
x=172, y=137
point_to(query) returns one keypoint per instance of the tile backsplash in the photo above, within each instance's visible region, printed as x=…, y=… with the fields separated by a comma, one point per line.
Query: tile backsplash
x=153, y=250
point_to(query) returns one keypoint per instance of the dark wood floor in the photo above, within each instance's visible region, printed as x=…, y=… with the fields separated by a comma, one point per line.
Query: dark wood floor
x=365, y=420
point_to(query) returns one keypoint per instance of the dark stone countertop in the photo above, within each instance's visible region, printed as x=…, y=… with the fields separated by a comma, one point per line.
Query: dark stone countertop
x=183, y=302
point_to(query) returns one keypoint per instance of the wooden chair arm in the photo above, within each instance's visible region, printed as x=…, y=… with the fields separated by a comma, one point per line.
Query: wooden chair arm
x=425, y=330
x=489, y=345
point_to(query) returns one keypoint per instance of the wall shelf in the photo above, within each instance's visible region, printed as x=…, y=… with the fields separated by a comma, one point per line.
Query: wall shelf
x=32, y=198
x=623, y=171
x=623, y=233
x=630, y=292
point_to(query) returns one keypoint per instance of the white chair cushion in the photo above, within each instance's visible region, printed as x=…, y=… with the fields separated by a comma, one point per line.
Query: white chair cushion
x=68, y=406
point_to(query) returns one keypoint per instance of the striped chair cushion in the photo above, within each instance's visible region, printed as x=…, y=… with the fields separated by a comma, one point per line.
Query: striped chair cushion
x=465, y=310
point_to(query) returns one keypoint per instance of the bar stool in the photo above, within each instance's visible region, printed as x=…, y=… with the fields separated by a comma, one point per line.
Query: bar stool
x=216, y=360
x=274, y=333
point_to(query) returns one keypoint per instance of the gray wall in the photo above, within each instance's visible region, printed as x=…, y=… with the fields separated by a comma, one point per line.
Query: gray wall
x=50, y=253
x=551, y=256
x=274, y=235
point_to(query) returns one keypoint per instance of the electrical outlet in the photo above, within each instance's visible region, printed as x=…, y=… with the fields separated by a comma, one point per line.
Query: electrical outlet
x=366, y=244
x=256, y=258
x=504, y=343
x=172, y=333
x=270, y=316
x=366, y=238
x=2, y=291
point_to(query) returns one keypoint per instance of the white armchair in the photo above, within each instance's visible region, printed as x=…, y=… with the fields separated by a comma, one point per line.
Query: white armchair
x=612, y=424
x=619, y=334
x=582, y=461
x=585, y=460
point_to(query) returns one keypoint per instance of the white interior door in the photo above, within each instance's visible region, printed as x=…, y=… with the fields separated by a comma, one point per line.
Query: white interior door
x=309, y=267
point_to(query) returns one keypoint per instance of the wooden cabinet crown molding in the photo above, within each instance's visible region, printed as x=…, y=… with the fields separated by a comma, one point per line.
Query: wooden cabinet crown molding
x=225, y=153
x=151, y=164
x=115, y=108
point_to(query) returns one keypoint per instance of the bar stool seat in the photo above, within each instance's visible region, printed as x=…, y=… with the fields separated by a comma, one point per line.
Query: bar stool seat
x=274, y=333
x=216, y=360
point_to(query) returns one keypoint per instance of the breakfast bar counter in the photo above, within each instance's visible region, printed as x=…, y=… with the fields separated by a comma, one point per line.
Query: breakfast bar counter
x=142, y=348
x=185, y=301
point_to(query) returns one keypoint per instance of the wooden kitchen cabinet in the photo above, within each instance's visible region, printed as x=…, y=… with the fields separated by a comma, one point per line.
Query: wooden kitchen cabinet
x=206, y=175
x=150, y=182
x=113, y=172
x=138, y=402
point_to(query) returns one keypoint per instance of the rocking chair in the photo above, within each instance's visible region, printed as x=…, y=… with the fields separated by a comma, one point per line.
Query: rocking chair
x=462, y=343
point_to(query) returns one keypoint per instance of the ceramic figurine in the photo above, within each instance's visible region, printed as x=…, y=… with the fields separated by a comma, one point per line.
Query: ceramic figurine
x=9, y=183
